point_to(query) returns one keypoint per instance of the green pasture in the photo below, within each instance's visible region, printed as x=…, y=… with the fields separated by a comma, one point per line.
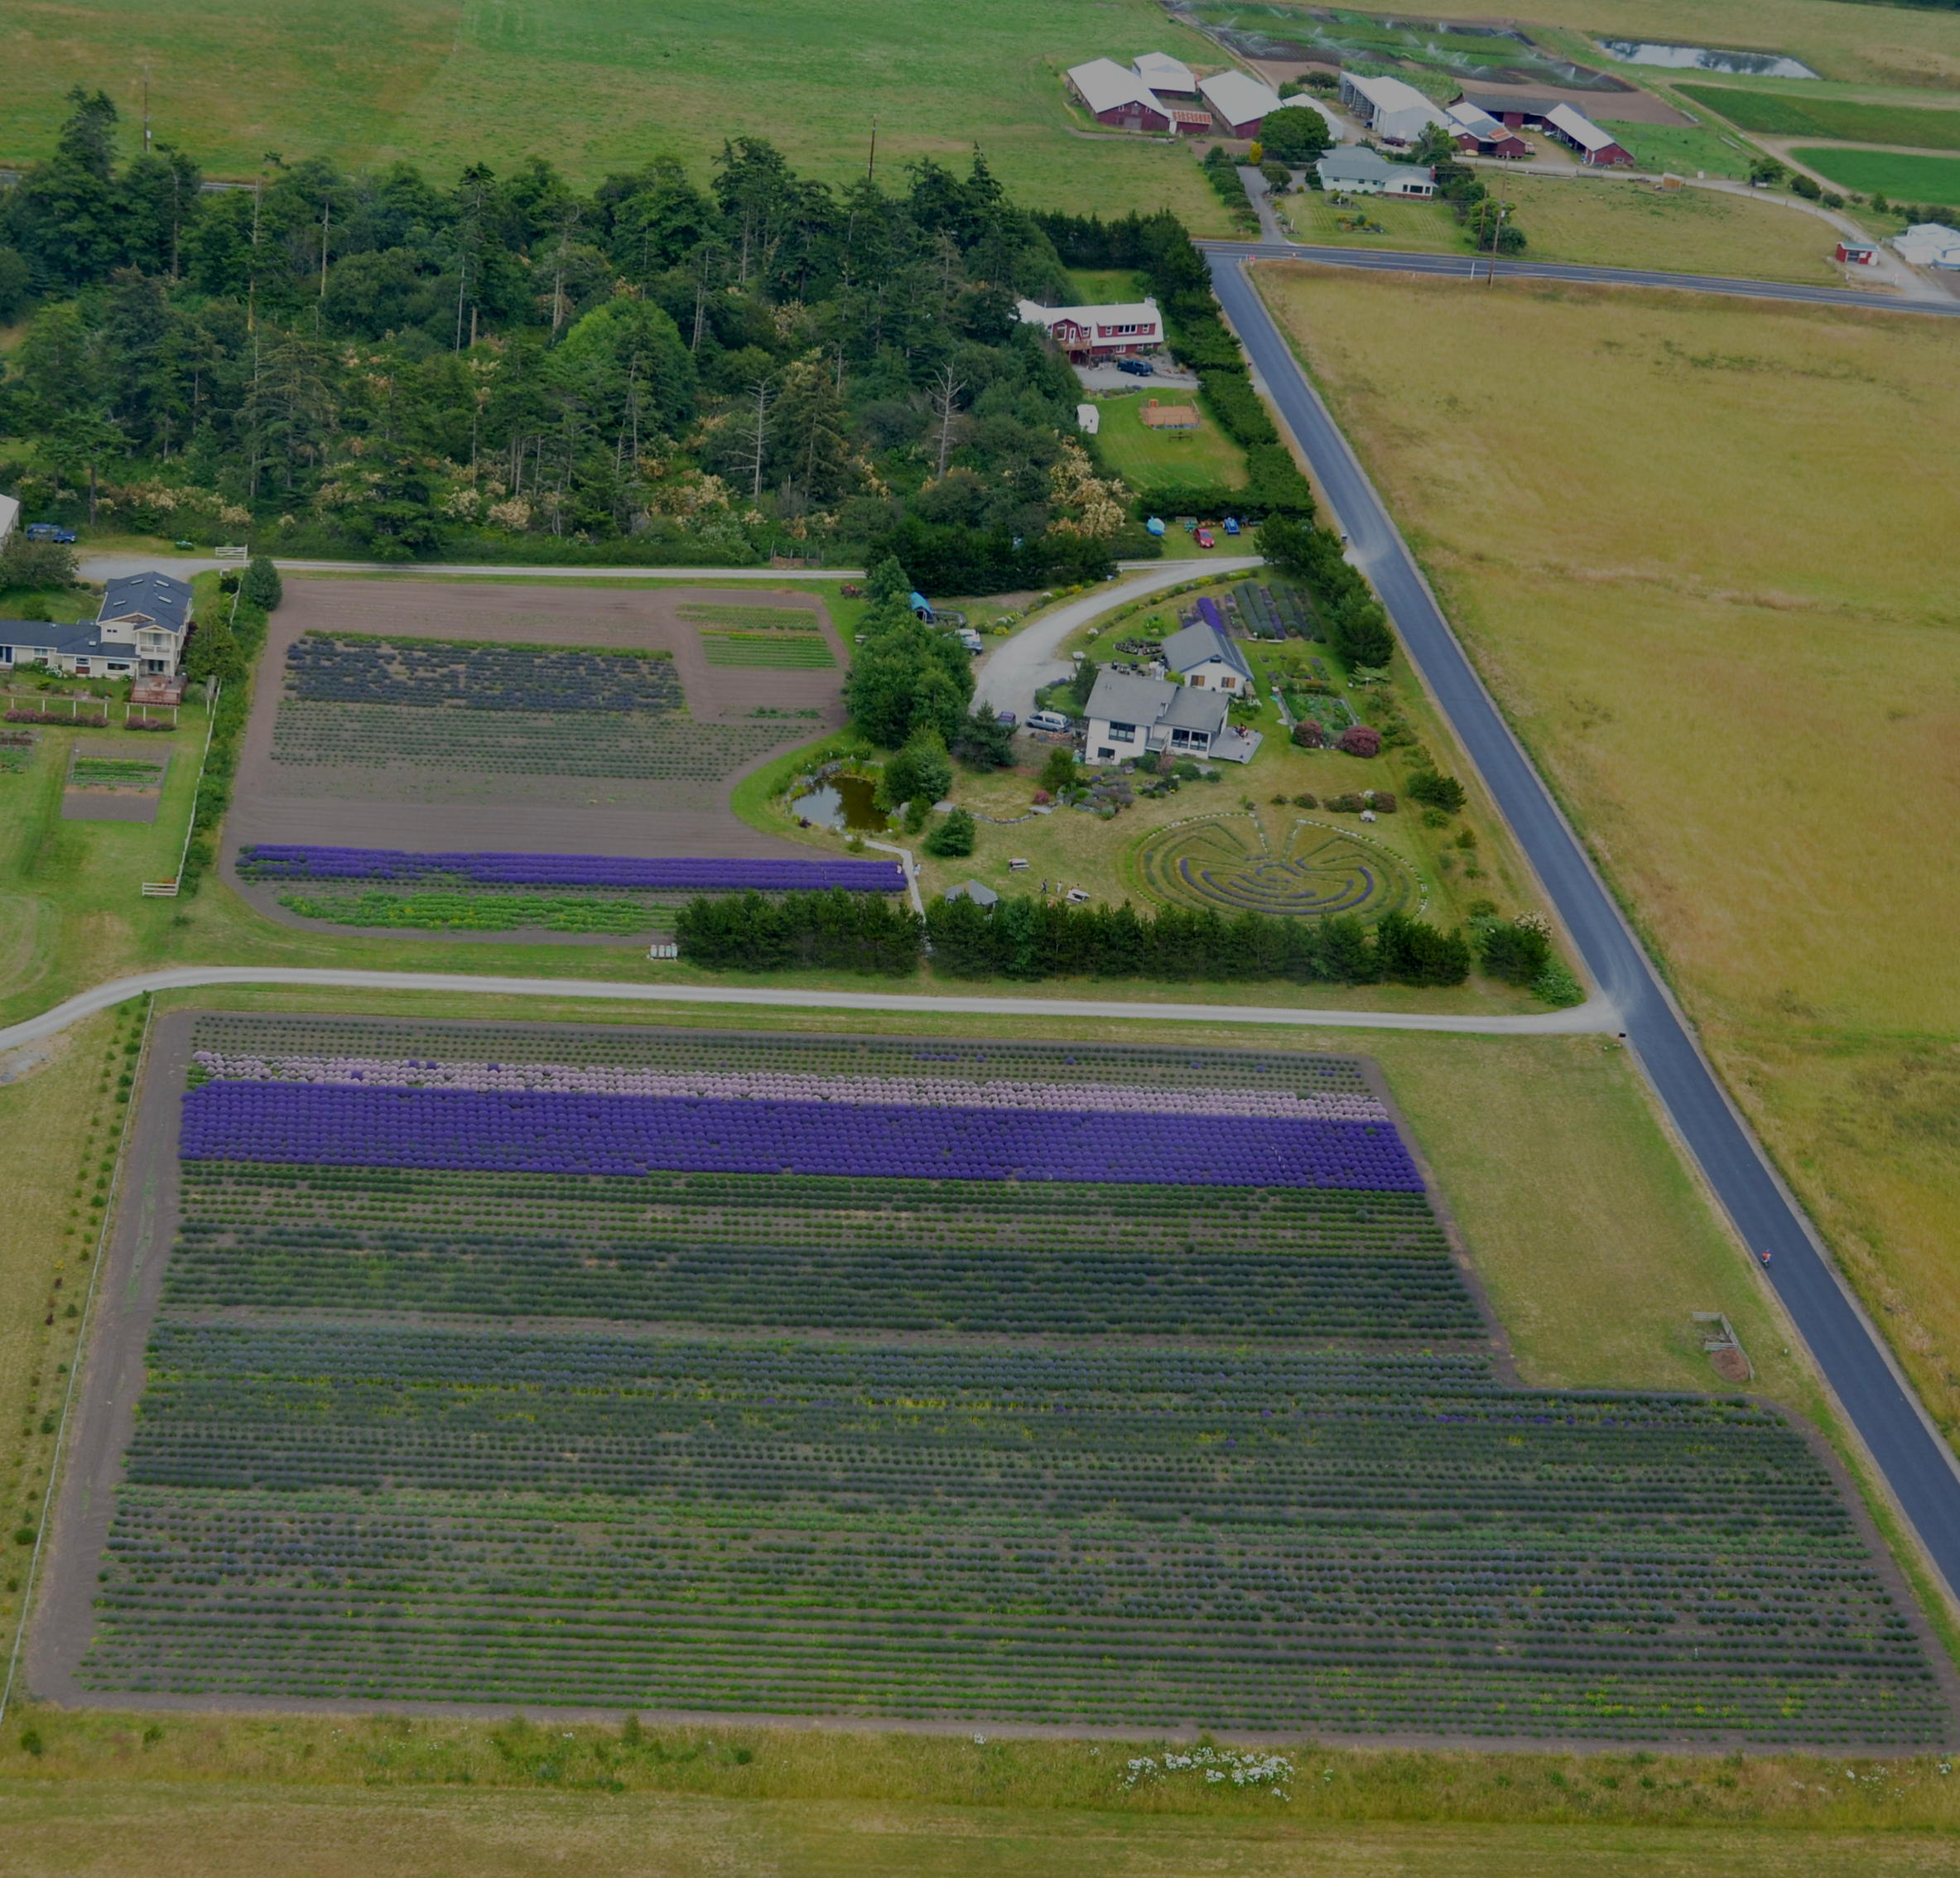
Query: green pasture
x=1684, y=149
x=1777, y=113
x=1204, y=458
x=597, y=85
x=1888, y=172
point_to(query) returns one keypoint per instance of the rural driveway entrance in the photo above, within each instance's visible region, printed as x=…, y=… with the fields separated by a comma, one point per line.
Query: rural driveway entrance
x=1010, y=675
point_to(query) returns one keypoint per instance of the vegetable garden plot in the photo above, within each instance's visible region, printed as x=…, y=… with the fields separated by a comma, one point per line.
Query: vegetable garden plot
x=777, y=651
x=761, y=618
x=1112, y=1444
x=1335, y=1541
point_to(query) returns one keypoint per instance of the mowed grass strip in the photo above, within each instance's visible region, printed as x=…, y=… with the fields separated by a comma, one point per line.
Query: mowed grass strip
x=1204, y=458
x=1749, y=705
x=1887, y=172
x=793, y=651
x=1778, y=114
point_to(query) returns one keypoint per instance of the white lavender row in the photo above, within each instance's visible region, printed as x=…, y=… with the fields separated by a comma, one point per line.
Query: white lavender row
x=784, y=1086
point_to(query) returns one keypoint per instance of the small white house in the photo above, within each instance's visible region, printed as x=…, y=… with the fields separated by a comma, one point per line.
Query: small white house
x=1361, y=172
x=1201, y=655
x=139, y=632
x=1128, y=715
x=1928, y=244
x=1395, y=112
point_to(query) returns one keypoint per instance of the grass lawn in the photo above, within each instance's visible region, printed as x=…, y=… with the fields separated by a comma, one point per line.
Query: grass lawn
x=1750, y=712
x=601, y=84
x=1686, y=149
x=1099, y=286
x=132, y=1828
x=1602, y=221
x=1887, y=172
x=1781, y=114
x=1204, y=458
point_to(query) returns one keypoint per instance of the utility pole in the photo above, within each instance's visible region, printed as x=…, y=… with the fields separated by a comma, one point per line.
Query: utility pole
x=146, y=110
x=871, y=161
x=326, y=224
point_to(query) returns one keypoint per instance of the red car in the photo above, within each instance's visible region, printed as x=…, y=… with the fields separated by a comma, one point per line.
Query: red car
x=1206, y=538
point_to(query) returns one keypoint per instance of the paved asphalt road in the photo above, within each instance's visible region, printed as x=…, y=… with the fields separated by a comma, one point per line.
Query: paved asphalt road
x=1597, y=1015
x=1913, y=1457
x=1467, y=266
x=1010, y=675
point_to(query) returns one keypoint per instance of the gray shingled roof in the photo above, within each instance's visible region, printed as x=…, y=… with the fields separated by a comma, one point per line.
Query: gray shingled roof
x=1121, y=697
x=1194, y=709
x=81, y=641
x=1187, y=650
x=158, y=596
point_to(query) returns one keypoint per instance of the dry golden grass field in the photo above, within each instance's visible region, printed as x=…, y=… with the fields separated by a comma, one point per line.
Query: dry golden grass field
x=1704, y=554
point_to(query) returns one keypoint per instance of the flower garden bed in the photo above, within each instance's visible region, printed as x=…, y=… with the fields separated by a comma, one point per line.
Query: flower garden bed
x=272, y=862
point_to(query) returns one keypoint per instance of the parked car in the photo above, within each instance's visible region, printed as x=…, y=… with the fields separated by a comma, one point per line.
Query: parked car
x=1006, y=719
x=1206, y=538
x=1232, y=524
x=1136, y=368
x=47, y=531
x=1047, y=720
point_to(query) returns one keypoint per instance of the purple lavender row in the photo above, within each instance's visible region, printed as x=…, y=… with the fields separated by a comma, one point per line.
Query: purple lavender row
x=538, y=1131
x=265, y=861
x=786, y=1086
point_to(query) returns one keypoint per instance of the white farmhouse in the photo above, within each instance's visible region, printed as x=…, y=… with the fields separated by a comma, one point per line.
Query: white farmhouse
x=1202, y=657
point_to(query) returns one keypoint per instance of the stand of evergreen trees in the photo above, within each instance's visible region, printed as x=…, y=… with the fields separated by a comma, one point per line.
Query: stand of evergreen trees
x=1022, y=937
x=833, y=930
x=665, y=367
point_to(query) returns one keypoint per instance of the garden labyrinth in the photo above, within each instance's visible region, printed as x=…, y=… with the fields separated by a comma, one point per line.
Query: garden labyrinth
x=1228, y=862
x=810, y=1375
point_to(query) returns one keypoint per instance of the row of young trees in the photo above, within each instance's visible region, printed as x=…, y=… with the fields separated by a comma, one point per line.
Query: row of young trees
x=378, y=361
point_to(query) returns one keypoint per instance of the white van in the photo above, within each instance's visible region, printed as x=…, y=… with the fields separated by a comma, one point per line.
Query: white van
x=1047, y=720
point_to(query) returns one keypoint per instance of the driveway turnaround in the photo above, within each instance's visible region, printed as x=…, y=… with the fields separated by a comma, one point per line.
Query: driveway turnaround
x=1009, y=675
x=1477, y=267
x=1902, y=1440
x=1595, y=1017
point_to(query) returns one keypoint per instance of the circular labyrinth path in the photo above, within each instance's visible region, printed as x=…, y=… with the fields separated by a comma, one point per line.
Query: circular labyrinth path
x=1227, y=861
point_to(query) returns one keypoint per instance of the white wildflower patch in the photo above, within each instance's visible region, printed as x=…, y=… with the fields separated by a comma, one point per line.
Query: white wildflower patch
x=1273, y=1773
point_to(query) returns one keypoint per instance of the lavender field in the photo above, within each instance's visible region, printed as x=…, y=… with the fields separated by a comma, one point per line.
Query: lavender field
x=794, y=1375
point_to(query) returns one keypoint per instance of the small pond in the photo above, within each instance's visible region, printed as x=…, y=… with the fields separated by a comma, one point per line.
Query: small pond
x=842, y=801
x=1703, y=59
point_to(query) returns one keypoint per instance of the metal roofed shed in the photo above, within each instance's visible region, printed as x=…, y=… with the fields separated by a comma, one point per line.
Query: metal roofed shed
x=1594, y=144
x=973, y=890
x=1928, y=244
x=1240, y=102
x=1395, y=111
x=1116, y=96
x=1164, y=75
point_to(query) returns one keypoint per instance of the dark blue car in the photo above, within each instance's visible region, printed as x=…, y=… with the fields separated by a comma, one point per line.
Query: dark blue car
x=47, y=531
x=1137, y=368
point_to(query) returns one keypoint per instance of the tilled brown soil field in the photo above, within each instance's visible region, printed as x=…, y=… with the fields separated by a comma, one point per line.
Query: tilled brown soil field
x=402, y=801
